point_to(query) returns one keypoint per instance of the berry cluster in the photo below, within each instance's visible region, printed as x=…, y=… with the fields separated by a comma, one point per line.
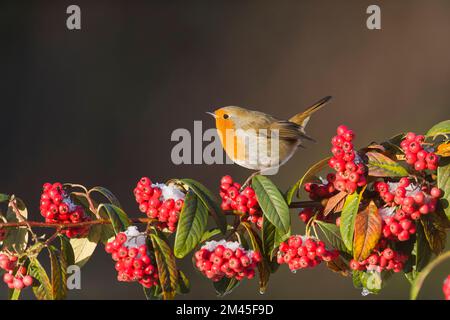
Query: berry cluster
x=218, y=259
x=244, y=202
x=446, y=288
x=416, y=155
x=300, y=252
x=350, y=171
x=131, y=254
x=160, y=202
x=408, y=202
x=324, y=190
x=20, y=279
x=57, y=207
x=382, y=258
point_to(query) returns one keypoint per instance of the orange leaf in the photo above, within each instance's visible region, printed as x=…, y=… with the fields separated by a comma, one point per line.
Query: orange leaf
x=367, y=232
x=443, y=149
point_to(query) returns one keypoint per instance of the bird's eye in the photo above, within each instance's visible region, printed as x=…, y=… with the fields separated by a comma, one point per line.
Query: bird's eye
x=225, y=116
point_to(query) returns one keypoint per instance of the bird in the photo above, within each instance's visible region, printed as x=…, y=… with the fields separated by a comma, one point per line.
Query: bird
x=259, y=141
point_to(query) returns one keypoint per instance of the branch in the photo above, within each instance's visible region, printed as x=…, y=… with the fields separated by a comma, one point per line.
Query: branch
x=144, y=220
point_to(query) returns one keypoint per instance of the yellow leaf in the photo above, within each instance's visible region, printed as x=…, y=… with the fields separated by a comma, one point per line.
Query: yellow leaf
x=367, y=232
x=443, y=149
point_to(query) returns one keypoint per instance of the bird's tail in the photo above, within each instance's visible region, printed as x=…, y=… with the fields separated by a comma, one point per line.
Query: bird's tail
x=302, y=118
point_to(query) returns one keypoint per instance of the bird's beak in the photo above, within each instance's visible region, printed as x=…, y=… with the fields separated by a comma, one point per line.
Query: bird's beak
x=212, y=114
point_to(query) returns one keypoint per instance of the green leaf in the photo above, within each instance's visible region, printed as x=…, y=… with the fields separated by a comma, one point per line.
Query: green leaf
x=16, y=238
x=83, y=248
x=167, y=269
x=107, y=194
x=418, y=282
x=306, y=178
x=443, y=182
x=442, y=128
x=191, y=225
x=372, y=281
x=381, y=166
x=263, y=266
x=43, y=289
x=434, y=229
x=3, y=197
x=209, y=200
x=356, y=276
x=67, y=251
x=153, y=293
x=333, y=235
x=101, y=232
x=209, y=234
x=272, y=203
x=225, y=286
x=119, y=219
x=348, y=217
x=279, y=238
x=268, y=238
x=422, y=249
x=58, y=272
x=184, y=285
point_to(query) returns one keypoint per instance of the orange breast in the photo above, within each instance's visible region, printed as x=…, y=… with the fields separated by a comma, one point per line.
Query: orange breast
x=232, y=144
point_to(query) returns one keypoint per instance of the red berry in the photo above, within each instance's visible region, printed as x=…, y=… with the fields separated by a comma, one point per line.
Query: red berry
x=27, y=281
x=341, y=130
x=436, y=193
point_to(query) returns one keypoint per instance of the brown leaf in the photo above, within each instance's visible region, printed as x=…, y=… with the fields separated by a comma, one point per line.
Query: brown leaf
x=338, y=265
x=335, y=203
x=367, y=232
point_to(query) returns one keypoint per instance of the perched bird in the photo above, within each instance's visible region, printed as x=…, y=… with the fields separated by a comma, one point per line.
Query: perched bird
x=259, y=141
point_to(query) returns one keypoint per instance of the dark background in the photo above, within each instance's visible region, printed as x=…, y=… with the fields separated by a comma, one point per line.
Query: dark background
x=98, y=106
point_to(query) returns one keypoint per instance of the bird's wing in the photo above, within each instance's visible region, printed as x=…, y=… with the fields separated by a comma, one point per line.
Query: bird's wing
x=258, y=120
x=287, y=130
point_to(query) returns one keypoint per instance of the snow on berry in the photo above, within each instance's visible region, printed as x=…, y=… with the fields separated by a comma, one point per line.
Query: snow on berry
x=15, y=275
x=132, y=256
x=160, y=201
x=218, y=259
x=244, y=202
x=417, y=154
x=301, y=252
x=350, y=170
x=405, y=202
x=57, y=207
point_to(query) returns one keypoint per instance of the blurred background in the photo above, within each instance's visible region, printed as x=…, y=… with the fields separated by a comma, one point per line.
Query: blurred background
x=98, y=106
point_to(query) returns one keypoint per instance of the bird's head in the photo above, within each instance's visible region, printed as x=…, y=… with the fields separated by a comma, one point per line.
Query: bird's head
x=231, y=117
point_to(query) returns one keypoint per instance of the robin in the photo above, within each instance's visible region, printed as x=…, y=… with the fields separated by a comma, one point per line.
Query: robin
x=259, y=141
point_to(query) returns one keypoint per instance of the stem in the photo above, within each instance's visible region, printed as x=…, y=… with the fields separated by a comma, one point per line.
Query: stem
x=418, y=282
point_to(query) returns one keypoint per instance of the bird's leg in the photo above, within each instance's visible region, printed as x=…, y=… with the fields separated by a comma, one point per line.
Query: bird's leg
x=247, y=182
